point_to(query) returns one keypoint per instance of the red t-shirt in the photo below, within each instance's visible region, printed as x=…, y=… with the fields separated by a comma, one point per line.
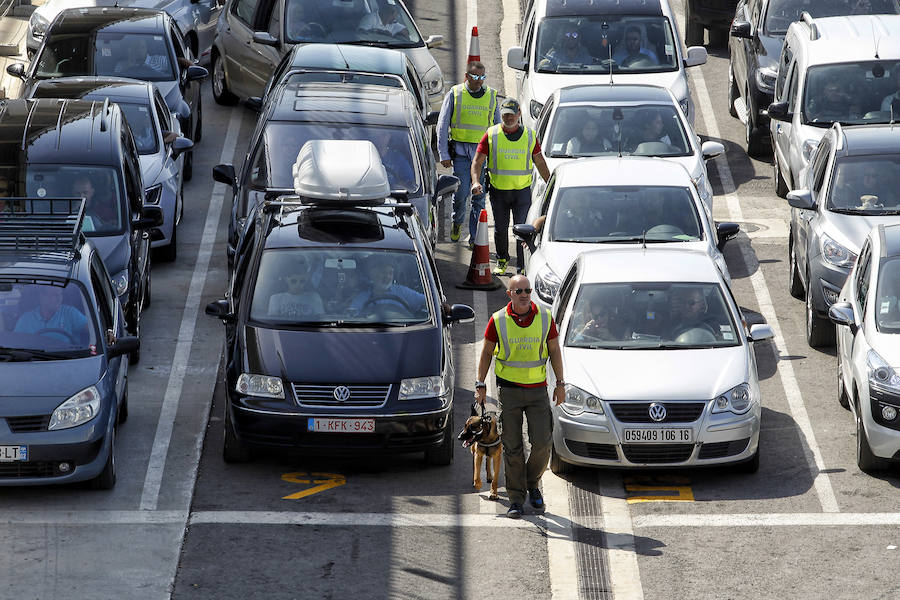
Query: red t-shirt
x=484, y=145
x=490, y=333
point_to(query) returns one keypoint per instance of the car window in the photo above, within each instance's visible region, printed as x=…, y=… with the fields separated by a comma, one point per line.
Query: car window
x=565, y=292
x=345, y=77
x=99, y=186
x=854, y=93
x=782, y=13
x=548, y=195
x=544, y=118
x=134, y=186
x=107, y=320
x=787, y=54
x=274, y=21
x=819, y=162
x=244, y=9
x=301, y=286
x=862, y=281
x=142, y=126
x=415, y=83
x=620, y=213
x=139, y=56
x=651, y=315
x=866, y=185
x=385, y=22
x=162, y=112
x=640, y=130
x=53, y=317
x=792, y=89
x=887, y=305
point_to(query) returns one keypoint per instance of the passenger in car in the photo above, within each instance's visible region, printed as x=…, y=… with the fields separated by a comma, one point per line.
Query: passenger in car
x=588, y=140
x=888, y=103
x=383, y=290
x=300, y=23
x=99, y=212
x=632, y=50
x=652, y=129
x=52, y=318
x=834, y=103
x=298, y=300
x=687, y=313
x=600, y=321
x=384, y=19
x=568, y=50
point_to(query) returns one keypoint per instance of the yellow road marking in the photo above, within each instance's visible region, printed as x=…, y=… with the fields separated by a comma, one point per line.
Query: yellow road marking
x=658, y=490
x=323, y=481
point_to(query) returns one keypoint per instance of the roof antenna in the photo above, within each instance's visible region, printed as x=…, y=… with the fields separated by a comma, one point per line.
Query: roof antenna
x=605, y=28
x=617, y=127
x=644, y=239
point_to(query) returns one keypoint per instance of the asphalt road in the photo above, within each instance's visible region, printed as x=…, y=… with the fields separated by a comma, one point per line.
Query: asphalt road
x=181, y=523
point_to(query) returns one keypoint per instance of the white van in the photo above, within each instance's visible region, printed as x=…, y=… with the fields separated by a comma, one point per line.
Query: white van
x=580, y=42
x=832, y=69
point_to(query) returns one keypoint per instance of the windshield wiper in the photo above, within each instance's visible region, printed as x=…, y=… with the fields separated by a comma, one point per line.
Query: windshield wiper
x=27, y=354
x=561, y=156
x=376, y=43
x=850, y=211
x=682, y=347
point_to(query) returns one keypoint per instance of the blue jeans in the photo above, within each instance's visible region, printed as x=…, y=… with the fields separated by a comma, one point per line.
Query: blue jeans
x=502, y=203
x=462, y=168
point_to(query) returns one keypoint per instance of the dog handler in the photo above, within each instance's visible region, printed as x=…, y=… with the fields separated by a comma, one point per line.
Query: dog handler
x=522, y=337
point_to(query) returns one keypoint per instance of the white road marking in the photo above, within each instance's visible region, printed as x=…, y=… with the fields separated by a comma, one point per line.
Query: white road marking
x=770, y=520
x=157, y=463
x=561, y=557
x=785, y=368
x=624, y=573
x=361, y=519
x=511, y=18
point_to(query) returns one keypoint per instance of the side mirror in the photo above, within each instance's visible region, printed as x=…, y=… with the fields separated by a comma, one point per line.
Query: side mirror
x=801, y=199
x=525, y=233
x=225, y=174
x=196, y=73
x=123, y=345
x=761, y=332
x=220, y=310
x=432, y=118
x=433, y=41
x=696, y=55
x=741, y=29
x=151, y=216
x=180, y=146
x=841, y=313
x=254, y=103
x=711, y=150
x=515, y=58
x=461, y=313
x=265, y=38
x=446, y=185
x=778, y=111
x=16, y=70
x=726, y=231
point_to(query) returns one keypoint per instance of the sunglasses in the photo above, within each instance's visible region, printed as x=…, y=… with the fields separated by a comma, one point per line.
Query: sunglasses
x=518, y=291
x=476, y=77
x=572, y=35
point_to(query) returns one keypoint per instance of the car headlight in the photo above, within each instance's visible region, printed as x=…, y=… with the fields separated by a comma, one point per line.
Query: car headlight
x=808, y=147
x=120, y=282
x=738, y=400
x=38, y=24
x=260, y=385
x=765, y=78
x=423, y=387
x=684, y=104
x=546, y=284
x=152, y=194
x=881, y=375
x=535, y=107
x=80, y=408
x=578, y=401
x=835, y=254
x=433, y=82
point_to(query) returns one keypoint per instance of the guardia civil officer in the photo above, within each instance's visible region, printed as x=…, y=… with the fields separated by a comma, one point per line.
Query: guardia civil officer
x=522, y=337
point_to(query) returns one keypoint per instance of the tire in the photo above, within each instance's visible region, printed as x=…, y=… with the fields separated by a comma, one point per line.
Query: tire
x=135, y=356
x=718, y=36
x=443, y=454
x=732, y=92
x=557, y=465
x=187, y=170
x=233, y=451
x=754, y=139
x=221, y=93
x=867, y=462
x=198, y=131
x=170, y=252
x=796, y=284
x=148, y=297
x=819, y=331
x=693, y=31
x=106, y=480
x=843, y=397
x=749, y=466
x=781, y=187
x=123, y=410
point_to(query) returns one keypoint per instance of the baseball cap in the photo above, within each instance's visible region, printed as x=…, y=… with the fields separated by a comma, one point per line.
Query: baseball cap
x=510, y=106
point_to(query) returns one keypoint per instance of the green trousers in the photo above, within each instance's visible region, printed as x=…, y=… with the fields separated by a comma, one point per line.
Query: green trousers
x=534, y=404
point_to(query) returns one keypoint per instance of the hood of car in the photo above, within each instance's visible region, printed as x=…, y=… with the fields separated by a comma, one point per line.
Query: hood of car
x=421, y=59
x=559, y=256
x=346, y=356
x=851, y=230
x=115, y=250
x=50, y=9
x=151, y=167
x=46, y=384
x=656, y=374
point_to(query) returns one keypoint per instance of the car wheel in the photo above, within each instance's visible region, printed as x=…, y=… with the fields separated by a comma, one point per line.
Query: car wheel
x=198, y=130
x=233, y=451
x=221, y=93
x=732, y=92
x=718, y=36
x=751, y=465
x=754, y=139
x=781, y=187
x=819, y=331
x=796, y=284
x=123, y=410
x=843, y=398
x=170, y=252
x=147, y=295
x=443, y=454
x=187, y=170
x=867, y=462
x=557, y=465
x=693, y=31
x=106, y=480
x=135, y=356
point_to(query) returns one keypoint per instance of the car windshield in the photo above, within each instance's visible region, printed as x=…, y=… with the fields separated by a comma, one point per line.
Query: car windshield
x=345, y=77
x=643, y=130
x=647, y=316
x=99, y=186
x=596, y=44
x=339, y=287
x=782, y=13
x=852, y=93
x=619, y=214
x=47, y=317
x=142, y=126
x=866, y=185
x=275, y=157
x=377, y=22
x=141, y=56
x=887, y=313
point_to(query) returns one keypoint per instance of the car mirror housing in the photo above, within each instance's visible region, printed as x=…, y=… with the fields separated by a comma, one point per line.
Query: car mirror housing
x=432, y=118
x=711, y=150
x=726, y=231
x=196, y=73
x=122, y=346
x=16, y=70
x=778, y=111
x=696, y=55
x=841, y=313
x=461, y=313
x=515, y=58
x=446, y=185
x=433, y=41
x=181, y=145
x=151, y=216
x=741, y=29
x=220, y=309
x=265, y=38
x=254, y=103
x=801, y=199
x=761, y=332
x=224, y=174
x=525, y=233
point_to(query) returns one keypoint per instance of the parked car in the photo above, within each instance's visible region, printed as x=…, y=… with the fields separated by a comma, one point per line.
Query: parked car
x=63, y=349
x=627, y=119
x=714, y=15
x=578, y=43
x=157, y=136
x=620, y=311
x=124, y=42
x=849, y=187
x=343, y=268
x=868, y=321
x=252, y=37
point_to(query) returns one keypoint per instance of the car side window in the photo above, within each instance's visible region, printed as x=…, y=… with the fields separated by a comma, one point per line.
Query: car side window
x=823, y=152
x=244, y=10
x=416, y=85
x=754, y=9
x=162, y=112
x=862, y=278
x=274, y=23
x=783, y=67
x=544, y=119
x=244, y=254
x=548, y=194
x=528, y=36
x=565, y=293
x=792, y=90
x=102, y=291
x=133, y=186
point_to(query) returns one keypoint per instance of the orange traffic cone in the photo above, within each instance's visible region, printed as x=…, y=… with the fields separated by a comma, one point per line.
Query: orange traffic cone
x=480, y=276
x=474, y=50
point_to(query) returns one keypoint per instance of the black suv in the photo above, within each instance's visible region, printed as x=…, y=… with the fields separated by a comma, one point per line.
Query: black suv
x=70, y=148
x=337, y=329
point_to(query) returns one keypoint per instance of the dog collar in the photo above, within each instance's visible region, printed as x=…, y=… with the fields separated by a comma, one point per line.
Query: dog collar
x=494, y=443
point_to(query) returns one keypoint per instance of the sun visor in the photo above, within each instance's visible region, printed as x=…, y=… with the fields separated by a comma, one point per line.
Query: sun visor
x=340, y=170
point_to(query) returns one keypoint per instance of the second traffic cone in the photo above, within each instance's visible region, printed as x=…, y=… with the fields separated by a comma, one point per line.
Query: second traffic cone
x=480, y=276
x=474, y=50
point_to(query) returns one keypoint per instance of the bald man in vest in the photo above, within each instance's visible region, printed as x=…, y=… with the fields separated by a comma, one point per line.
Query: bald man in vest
x=511, y=152
x=522, y=337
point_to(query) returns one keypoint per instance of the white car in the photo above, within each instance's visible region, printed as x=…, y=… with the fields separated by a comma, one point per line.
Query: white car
x=615, y=202
x=867, y=316
x=606, y=120
x=658, y=362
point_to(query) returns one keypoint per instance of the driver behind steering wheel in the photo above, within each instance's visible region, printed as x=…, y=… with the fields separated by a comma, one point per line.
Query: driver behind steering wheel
x=383, y=290
x=687, y=312
x=51, y=314
x=632, y=50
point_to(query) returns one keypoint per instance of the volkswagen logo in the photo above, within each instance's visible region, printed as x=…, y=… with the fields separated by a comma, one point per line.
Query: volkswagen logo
x=657, y=411
x=342, y=394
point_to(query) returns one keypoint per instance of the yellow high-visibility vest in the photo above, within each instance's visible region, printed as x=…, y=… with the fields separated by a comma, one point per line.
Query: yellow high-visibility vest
x=521, y=352
x=471, y=116
x=509, y=162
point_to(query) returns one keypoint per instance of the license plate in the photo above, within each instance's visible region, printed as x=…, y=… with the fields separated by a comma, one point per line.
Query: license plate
x=658, y=436
x=341, y=425
x=13, y=453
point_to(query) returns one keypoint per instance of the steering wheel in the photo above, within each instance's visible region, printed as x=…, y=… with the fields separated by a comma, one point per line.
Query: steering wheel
x=636, y=61
x=56, y=330
x=390, y=297
x=696, y=333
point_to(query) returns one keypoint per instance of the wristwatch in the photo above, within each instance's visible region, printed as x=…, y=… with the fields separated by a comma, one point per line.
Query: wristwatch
x=560, y=383
x=480, y=384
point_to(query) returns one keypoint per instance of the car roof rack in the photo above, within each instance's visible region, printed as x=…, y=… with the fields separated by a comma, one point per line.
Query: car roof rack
x=49, y=226
x=813, y=28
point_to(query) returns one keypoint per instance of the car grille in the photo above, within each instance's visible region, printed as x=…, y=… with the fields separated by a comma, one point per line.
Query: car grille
x=361, y=396
x=657, y=453
x=723, y=449
x=21, y=470
x=638, y=412
x=28, y=424
x=598, y=451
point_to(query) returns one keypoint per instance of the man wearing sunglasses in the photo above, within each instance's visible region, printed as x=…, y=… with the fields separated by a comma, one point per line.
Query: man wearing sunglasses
x=469, y=108
x=569, y=51
x=522, y=337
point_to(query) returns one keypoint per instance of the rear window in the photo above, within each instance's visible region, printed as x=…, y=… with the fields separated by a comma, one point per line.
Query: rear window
x=141, y=122
x=99, y=186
